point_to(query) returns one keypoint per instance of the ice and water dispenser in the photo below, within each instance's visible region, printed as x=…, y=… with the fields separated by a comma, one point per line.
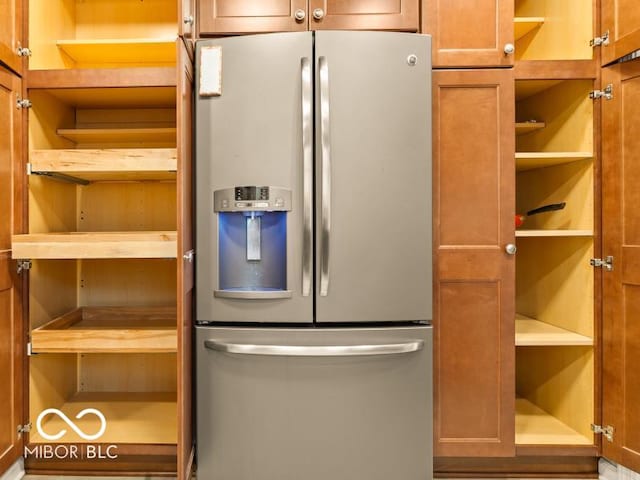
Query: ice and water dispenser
x=252, y=241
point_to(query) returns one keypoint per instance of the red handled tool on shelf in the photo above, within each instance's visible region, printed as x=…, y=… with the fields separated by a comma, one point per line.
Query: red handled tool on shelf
x=546, y=208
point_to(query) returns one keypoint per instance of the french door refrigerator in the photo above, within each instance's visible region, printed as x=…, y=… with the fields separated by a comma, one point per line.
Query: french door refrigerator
x=314, y=256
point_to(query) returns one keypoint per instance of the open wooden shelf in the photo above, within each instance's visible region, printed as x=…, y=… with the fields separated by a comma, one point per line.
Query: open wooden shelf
x=120, y=50
x=534, y=426
x=523, y=25
x=532, y=160
x=523, y=128
x=120, y=135
x=107, y=164
x=71, y=245
x=554, y=233
x=531, y=332
x=132, y=418
x=109, y=329
x=83, y=78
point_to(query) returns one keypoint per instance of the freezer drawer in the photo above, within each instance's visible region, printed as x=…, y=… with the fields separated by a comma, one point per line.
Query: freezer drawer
x=314, y=404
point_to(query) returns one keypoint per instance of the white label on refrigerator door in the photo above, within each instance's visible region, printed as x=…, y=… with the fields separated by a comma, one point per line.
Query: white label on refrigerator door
x=211, y=71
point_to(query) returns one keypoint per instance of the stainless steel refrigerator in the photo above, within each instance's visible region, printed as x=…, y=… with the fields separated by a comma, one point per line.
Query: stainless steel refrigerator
x=314, y=256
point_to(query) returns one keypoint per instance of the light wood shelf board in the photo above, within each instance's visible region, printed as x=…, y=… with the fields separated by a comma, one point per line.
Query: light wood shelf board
x=524, y=25
x=119, y=135
x=554, y=233
x=532, y=160
x=111, y=98
x=70, y=245
x=132, y=418
x=108, y=164
x=109, y=329
x=531, y=332
x=120, y=50
x=82, y=78
x=534, y=426
x=522, y=128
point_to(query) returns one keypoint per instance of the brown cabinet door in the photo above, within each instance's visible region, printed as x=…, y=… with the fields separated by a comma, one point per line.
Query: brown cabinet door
x=11, y=286
x=363, y=15
x=250, y=16
x=11, y=33
x=621, y=18
x=185, y=261
x=187, y=18
x=469, y=33
x=621, y=286
x=474, y=203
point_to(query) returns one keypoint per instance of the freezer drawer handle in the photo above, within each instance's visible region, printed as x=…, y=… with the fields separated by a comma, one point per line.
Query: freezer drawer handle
x=315, y=350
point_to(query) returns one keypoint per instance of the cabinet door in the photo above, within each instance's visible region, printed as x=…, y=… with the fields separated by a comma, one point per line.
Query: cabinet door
x=469, y=33
x=363, y=15
x=11, y=33
x=187, y=18
x=11, y=332
x=621, y=18
x=185, y=261
x=621, y=286
x=250, y=16
x=474, y=203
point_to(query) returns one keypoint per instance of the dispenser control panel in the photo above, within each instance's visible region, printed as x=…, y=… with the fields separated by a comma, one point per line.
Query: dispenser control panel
x=252, y=198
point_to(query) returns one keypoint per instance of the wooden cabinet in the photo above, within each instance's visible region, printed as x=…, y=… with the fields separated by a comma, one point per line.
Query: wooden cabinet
x=251, y=16
x=12, y=339
x=11, y=34
x=621, y=20
x=473, y=154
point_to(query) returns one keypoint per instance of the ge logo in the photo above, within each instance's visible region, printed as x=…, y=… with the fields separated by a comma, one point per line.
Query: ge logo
x=74, y=427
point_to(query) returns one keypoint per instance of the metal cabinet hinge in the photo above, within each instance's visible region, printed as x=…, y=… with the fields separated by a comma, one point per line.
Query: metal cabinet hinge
x=606, y=431
x=598, y=41
x=23, y=103
x=607, y=93
x=607, y=263
x=24, y=265
x=23, y=52
x=26, y=428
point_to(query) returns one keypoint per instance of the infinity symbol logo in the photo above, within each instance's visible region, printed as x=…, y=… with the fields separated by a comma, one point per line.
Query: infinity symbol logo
x=74, y=427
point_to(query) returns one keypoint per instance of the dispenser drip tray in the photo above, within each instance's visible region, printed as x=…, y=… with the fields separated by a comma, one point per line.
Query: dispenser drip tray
x=253, y=293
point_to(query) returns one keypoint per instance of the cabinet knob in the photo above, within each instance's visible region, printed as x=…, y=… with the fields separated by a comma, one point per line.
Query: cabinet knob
x=318, y=13
x=188, y=20
x=510, y=248
x=300, y=14
x=509, y=49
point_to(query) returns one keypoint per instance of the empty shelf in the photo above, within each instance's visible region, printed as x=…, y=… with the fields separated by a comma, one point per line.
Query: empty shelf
x=534, y=426
x=107, y=164
x=109, y=329
x=121, y=50
x=554, y=233
x=531, y=160
x=131, y=418
x=528, y=127
x=95, y=245
x=531, y=332
x=523, y=25
x=119, y=135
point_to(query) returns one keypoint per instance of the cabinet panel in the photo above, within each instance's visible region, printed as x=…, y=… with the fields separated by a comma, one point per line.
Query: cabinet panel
x=468, y=33
x=621, y=18
x=473, y=209
x=363, y=15
x=250, y=16
x=621, y=286
x=11, y=33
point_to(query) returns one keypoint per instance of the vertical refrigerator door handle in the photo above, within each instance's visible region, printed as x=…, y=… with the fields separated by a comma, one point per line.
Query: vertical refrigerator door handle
x=307, y=177
x=325, y=138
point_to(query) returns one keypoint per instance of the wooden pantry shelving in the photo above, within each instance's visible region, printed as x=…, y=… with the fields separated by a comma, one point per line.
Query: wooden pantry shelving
x=534, y=426
x=532, y=332
x=524, y=25
x=532, y=160
x=109, y=329
x=119, y=135
x=522, y=128
x=137, y=51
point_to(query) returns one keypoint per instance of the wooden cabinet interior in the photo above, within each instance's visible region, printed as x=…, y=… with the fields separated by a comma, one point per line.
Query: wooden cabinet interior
x=80, y=34
x=551, y=30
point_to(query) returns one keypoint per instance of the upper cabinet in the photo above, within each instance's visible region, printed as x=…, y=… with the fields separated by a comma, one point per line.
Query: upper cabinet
x=11, y=34
x=253, y=16
x=621, y=20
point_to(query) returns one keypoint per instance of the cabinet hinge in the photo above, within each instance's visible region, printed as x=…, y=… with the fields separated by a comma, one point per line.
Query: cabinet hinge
x=598, y=41
x=23, y=265
x=607, y=93
x=606, y=431
x=23, y=103
x=23, y=52
x=26, y=428
x=607, y=263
